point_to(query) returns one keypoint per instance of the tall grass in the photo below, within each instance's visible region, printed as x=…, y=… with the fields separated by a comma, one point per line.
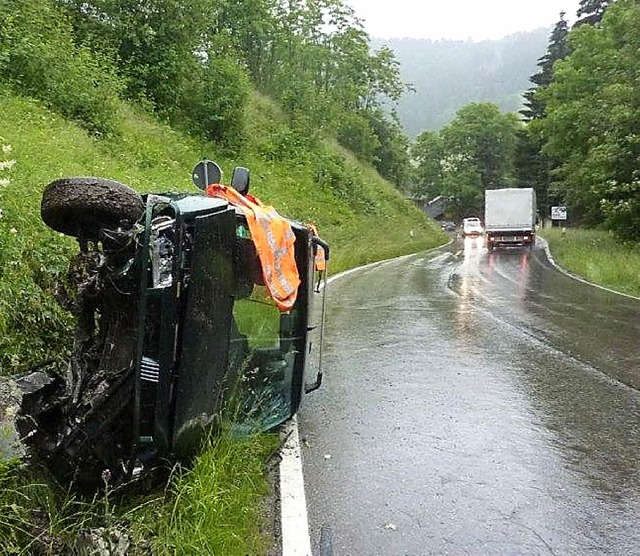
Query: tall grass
x=597, y=256
x=216, y=506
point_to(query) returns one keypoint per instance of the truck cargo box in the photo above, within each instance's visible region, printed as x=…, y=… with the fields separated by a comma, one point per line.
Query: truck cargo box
x=510, y=217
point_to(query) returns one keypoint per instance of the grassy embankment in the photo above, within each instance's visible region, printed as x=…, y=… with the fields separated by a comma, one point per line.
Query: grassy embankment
x=214, y=508
x=596, y=256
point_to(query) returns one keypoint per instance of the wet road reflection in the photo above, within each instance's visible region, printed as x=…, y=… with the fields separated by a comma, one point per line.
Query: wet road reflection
x=476, y=403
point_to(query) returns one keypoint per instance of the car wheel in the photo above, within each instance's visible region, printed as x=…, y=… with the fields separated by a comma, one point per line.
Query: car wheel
x=80, y=207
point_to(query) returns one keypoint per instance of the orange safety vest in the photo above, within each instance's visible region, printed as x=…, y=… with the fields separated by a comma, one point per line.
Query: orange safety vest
x=273, y=238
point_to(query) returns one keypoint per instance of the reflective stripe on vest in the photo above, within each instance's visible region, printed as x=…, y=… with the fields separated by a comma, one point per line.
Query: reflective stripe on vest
x=273, y=238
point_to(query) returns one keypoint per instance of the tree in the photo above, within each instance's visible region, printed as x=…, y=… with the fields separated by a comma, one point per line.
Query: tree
x=476, y=151
x=483, y=137
x=392, y=156
x=558, y=49
x=593, y=121
x=591, y=11
x=428, y=153
x=533, y=165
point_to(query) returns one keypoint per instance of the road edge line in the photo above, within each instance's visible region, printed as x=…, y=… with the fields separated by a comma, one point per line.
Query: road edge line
x=575, y=276
x=294, y=521
x=294, y=524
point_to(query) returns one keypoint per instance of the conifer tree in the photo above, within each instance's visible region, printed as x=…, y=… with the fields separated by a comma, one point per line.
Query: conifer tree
x=533, y=166
x=558, y=49
x=591, y=11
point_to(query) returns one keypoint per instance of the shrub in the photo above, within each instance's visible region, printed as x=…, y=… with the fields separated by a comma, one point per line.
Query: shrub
x=38, y=57
x=212, y=100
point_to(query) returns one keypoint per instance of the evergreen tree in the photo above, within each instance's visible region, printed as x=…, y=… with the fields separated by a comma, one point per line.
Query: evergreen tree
x=533, y=166
x=591, y=11
x=558, y=49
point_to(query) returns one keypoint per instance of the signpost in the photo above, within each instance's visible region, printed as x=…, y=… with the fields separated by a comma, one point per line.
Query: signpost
x=558, y=213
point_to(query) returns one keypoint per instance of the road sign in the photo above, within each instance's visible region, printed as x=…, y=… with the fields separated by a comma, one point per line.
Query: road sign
x=558, y=213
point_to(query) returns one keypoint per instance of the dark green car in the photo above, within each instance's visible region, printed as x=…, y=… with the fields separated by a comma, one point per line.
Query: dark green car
x=176, y=333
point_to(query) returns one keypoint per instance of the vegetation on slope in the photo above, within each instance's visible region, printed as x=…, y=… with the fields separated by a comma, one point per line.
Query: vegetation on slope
x=139, y=92
x=327, y=186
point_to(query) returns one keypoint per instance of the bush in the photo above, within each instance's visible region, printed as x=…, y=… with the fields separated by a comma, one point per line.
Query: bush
x=355, y=133
x=38, y=57
x=213, y=99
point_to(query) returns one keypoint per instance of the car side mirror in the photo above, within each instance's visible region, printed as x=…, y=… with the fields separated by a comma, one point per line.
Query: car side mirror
x=206, y=173
x=240, y=179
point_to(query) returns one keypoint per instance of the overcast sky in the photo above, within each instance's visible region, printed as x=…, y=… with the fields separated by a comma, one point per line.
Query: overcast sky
x=459, y=19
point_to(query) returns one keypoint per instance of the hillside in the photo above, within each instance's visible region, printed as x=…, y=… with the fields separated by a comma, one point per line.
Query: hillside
x=140, y=94
x=447, y=75
x=348, y=201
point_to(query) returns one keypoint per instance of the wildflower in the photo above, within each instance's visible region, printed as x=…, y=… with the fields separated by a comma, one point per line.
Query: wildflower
x=4, y=182
x=7, y=164
x=13, y=231
x=6, y=149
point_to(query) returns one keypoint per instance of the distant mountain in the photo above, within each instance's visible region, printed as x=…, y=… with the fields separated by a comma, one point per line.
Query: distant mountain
x=449, y=74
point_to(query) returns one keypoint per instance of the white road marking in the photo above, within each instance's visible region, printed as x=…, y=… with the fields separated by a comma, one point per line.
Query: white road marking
x=293, y=503
x=294, y=523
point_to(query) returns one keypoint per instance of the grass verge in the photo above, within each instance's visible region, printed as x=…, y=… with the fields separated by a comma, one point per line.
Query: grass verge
x=215, y=506
x=598, y=257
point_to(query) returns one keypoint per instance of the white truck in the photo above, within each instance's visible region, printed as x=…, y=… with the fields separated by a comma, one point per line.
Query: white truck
x=510, y=217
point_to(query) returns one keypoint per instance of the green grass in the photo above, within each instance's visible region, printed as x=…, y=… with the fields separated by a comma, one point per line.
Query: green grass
x=216, y=507
x=598, y=257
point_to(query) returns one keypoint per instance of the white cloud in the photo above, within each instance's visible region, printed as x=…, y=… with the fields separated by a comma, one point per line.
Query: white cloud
x=459, y=19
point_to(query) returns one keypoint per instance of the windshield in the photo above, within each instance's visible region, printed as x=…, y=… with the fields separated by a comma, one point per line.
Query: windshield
x=267, y=347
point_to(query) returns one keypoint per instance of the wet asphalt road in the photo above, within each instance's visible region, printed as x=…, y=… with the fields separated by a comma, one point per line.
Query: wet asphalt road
x=475, y=403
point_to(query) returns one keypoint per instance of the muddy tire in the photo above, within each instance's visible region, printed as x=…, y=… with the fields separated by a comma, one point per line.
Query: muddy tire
x=80, y=207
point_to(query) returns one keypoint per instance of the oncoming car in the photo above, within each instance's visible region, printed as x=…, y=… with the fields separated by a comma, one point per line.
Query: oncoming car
x=472, y=227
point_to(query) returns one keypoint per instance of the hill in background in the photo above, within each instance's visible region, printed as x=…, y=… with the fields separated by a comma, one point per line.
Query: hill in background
x=449, y=74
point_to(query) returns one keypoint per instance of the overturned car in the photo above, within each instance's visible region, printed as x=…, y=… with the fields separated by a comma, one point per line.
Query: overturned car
x=177, y=324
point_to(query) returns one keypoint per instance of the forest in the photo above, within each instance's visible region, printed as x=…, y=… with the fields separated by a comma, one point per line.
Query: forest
x=576, y=140
x=446, y=75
